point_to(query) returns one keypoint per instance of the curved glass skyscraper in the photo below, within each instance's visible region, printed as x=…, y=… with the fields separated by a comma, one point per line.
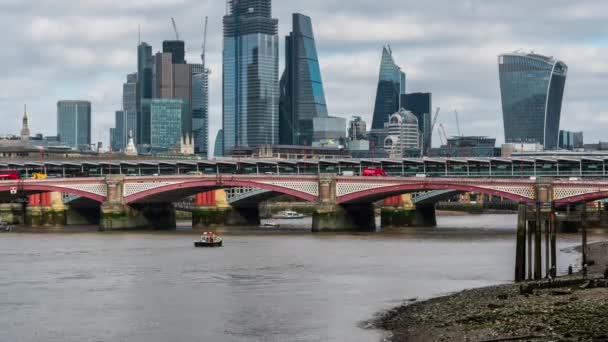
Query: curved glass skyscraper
x=391, y=85
x=250, y=75
x=532, y=89
x=302, y=96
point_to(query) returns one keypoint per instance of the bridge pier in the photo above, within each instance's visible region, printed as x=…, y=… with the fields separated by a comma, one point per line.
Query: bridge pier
x=116, y=215
x=11, y=213
x=46, y=209
x=329, y=216
x=212, y=211
x=404, y=216
x=156, y=216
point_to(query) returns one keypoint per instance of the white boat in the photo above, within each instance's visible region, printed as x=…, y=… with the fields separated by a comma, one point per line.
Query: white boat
x=289, y=214
x=270, y=224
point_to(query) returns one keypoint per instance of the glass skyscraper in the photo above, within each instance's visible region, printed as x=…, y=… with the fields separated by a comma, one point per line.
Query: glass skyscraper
x=532, y=89
x=200, y=112
x=144, y=90
x=250, y=74
x=165, y=122
x=302, y=96
x=391, y=85
x=420, y=104
x=74, y=123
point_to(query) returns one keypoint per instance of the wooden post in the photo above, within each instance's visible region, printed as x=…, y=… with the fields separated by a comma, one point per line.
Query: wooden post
x=530, y=232
x=520, y=248
x=537, y=245
x=584, y=226
x=553, y=230
x=547, y=247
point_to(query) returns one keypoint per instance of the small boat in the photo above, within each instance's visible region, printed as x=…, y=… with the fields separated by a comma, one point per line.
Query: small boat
x=5, y=227
x=289, y=215
x=209, y=240
x=270, y=225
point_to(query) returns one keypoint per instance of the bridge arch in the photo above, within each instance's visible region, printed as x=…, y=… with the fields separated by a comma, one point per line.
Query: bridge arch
x=376, y=194
x=583, y=198
x=31, y=189
x=177, y=191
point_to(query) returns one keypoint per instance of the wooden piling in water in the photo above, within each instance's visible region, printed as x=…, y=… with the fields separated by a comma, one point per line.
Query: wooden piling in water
x=584, y=228
x=547, y=247
x=520, y=248
x=553, y=232
x=530, y=247
x=537, y=245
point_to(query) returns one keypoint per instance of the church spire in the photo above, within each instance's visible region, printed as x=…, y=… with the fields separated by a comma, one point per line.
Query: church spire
x=25, y=129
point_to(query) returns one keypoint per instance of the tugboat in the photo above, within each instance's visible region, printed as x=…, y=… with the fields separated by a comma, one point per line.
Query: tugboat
x=209, y=240
x=289, y=215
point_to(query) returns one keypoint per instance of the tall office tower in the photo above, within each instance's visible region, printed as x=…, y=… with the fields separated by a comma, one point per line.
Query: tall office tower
x=113, y=138
x=74, y=123
x=144, y=90
x=391, y=84
x=250, y=70
x=357, y=129
x=177, y=49
x=120, y=133
x=421, y=104
x=129, y=105
x=200, y=112
x=532, y=88
x=165, y=122
x=302, y=96
x=218, y=147
x=129, y=94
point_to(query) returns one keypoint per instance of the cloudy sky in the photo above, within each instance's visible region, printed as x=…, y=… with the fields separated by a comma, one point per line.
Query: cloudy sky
x=65, y=49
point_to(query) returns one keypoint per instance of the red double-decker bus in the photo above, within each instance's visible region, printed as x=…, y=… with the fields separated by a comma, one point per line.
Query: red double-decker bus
x=9, y=175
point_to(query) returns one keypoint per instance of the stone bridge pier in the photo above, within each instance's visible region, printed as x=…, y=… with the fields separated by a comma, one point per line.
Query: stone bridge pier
x=117, y=215
x=329, y=216
x=398, y=212
x=212, y=212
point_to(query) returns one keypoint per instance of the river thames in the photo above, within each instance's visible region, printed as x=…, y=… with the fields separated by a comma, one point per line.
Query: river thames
x=259, y=287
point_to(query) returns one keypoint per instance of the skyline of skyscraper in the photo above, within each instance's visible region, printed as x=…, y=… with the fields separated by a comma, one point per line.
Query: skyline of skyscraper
x=391, y=85
x=250, y=74
x=74, y=123
x=302, y=96
x=532, y=88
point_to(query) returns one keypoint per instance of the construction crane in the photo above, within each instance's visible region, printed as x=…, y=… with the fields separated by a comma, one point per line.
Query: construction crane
x=204, y=43
x=441, y=137
x=435, y=119
x=457, y=122
x=175, y=28
x=445, y=134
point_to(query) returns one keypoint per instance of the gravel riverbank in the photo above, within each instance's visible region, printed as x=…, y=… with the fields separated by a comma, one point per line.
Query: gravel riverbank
x=569, y=309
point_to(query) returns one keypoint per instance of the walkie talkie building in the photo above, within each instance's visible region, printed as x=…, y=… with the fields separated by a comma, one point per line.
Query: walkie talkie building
x=532, y=89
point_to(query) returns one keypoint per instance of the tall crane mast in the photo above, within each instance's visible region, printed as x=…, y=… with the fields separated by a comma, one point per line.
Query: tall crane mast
x=441, y=137
x=435, y=119
x=457, y=122
x=175, y=28
x=445, y=134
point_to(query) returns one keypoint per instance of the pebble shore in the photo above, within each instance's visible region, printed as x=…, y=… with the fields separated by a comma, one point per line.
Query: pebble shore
x=567, y=309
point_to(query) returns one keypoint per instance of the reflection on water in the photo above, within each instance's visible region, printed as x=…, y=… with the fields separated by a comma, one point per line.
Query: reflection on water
x=260, y=287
